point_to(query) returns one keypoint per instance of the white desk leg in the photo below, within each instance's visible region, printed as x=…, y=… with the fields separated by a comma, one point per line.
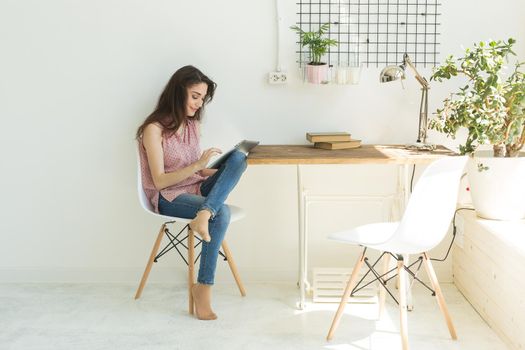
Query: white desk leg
x=406, y=258
x=302, y=241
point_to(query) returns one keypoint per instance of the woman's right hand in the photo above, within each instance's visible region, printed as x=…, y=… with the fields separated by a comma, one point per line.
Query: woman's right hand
x=206, y=156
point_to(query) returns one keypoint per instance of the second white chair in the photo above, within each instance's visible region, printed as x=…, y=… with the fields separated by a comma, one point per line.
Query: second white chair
x=424, y=225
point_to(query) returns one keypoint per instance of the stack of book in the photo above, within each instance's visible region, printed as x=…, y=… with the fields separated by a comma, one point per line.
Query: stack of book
x=332, y=140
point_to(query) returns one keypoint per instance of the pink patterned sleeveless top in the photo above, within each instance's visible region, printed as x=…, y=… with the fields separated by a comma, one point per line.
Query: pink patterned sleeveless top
x=180, y=150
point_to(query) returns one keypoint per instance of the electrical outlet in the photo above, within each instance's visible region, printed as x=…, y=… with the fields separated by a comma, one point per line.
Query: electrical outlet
x=277, y=77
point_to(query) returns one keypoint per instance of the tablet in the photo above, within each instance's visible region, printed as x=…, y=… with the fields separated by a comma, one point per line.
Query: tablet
x=245, y=146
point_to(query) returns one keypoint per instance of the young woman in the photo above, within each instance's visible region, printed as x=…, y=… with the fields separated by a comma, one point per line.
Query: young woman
x=174, y=173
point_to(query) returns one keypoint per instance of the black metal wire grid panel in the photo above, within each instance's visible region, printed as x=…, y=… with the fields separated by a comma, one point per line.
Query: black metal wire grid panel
x=374, y=32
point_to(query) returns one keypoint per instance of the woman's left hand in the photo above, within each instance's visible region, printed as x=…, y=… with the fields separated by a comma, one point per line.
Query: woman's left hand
x=208, y=172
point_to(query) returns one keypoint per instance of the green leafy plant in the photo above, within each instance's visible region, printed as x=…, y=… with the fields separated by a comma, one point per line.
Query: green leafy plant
x=317, y=44
x=491, y=106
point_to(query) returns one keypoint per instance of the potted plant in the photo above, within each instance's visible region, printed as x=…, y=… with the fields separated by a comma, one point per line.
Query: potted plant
x=316, y=71
x=491, y=106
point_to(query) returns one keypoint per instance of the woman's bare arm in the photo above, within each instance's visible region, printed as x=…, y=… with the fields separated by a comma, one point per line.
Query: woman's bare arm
x=205, y=171
x=152, y=140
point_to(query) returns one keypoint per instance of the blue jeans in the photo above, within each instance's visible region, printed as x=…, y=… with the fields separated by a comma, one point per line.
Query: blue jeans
x=215, y=189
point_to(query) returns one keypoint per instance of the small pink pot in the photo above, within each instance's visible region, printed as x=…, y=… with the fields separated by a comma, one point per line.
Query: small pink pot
x=317, y=74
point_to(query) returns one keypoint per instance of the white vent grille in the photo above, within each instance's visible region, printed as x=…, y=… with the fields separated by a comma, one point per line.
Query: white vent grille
x=330, y=283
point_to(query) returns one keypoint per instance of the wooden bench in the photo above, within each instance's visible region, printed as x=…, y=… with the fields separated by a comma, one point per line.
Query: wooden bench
x=489, y=269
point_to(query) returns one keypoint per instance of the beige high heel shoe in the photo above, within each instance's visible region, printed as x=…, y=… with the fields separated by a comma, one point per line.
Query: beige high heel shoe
x=198, y=295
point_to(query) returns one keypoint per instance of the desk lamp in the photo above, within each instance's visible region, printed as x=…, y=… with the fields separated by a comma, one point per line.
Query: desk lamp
x=391, y=73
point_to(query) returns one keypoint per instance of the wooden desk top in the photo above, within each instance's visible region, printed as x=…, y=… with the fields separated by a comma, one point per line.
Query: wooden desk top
x=366, y=154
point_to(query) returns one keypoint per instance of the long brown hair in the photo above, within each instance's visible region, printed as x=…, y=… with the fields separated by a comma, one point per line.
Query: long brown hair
x=171, y=108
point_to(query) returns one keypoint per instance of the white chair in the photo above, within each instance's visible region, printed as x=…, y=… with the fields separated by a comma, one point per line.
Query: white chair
x=424, y=225
x=174, y=241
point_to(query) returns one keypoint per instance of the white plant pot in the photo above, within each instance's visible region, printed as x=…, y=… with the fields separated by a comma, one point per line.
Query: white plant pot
x=497, y=186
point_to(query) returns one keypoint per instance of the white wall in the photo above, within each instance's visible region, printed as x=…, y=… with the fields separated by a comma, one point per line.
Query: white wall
x=77, y=78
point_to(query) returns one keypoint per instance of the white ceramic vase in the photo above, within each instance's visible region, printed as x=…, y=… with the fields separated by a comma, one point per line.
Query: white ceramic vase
x=497, y=186
x=354, y=74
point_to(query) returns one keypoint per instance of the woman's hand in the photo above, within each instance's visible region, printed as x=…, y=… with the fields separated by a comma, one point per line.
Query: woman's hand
x=206, y=156
x=208, y=172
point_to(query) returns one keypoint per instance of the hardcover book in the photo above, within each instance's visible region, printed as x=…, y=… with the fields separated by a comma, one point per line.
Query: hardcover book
x=327, y=136
x=338, y=144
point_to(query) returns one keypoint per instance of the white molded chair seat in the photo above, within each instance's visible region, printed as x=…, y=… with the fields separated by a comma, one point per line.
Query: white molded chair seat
x=424, y=224
x=235, y=212
x=377, y=236
x=369, y=235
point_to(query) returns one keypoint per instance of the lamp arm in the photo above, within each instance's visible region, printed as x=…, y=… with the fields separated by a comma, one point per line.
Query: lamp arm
x=419, y=78
x=423, y=116
x=423, y=107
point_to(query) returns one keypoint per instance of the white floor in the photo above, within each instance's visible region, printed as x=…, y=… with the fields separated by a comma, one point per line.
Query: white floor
x=94, y=316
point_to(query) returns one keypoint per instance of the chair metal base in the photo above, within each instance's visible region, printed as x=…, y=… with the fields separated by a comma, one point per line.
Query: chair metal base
x=385, y=277
x=174, y=242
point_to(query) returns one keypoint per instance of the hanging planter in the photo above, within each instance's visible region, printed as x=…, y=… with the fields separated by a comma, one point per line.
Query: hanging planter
x=316, y=71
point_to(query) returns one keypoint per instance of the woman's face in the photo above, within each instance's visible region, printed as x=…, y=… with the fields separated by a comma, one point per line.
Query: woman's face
x=196, y=94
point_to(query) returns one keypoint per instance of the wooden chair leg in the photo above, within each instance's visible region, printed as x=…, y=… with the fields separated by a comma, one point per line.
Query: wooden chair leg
x=154, y=251
x=402, y=304
x=191, y=269
x=382, y=291
x=346, y=295
x=233, y=267
x=439, y=295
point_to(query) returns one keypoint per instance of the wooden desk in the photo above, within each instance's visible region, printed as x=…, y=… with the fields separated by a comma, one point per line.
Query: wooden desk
x=366, y=154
